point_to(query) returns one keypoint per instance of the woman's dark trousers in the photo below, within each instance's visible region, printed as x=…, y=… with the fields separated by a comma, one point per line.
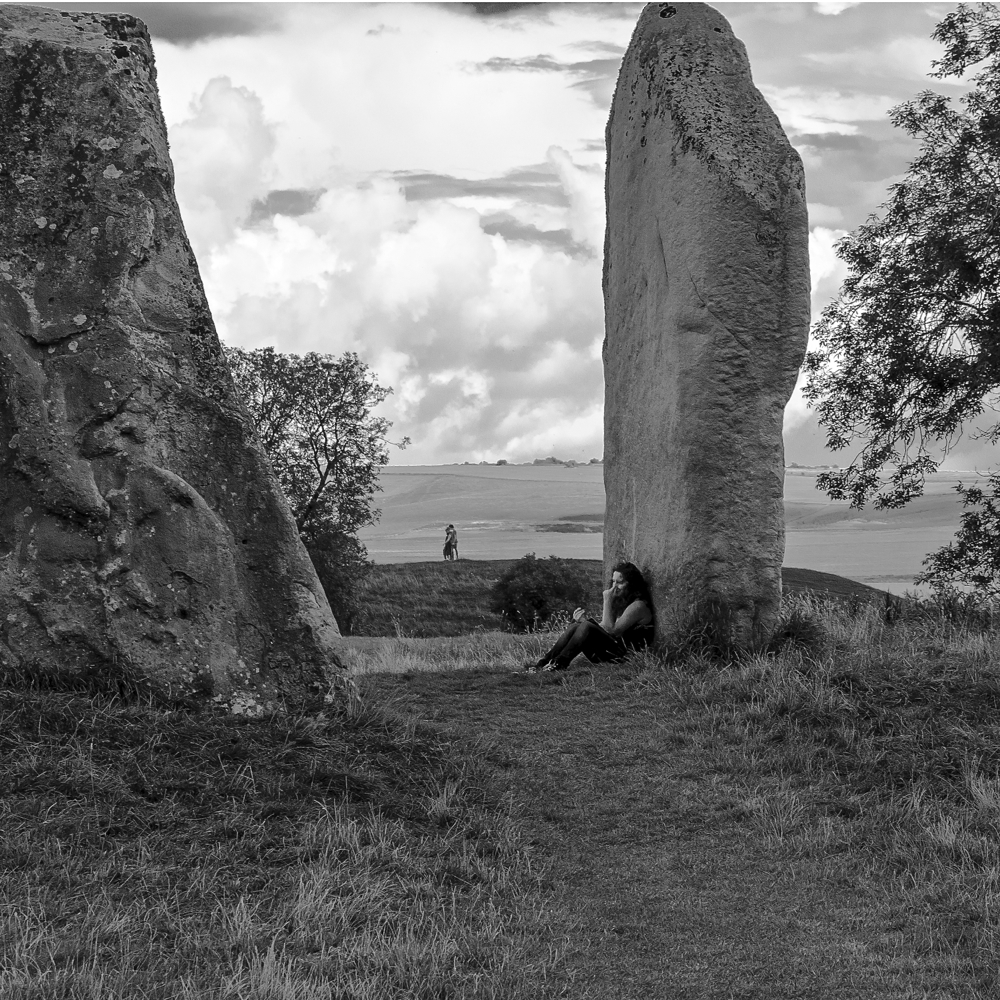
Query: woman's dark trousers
x=587, y=638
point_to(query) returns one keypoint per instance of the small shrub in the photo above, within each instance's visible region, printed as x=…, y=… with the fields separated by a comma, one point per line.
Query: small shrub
x=533, y=590
x=341, y=563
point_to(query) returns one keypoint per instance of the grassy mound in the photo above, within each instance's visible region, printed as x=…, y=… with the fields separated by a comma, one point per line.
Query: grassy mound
x=427, y=599
x=800, y=581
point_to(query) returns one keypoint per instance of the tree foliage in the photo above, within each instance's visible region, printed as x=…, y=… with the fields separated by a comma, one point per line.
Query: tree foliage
x=532, y=590
x=973, y=558
x=313, y=415
x=314, y=418
x=910, y=350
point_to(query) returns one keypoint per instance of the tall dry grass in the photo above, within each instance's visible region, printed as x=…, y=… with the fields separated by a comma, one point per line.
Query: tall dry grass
x=480, y=651
x=873, y=745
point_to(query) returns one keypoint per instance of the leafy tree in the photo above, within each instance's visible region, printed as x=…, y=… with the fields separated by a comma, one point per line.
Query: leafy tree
x=532, y=590
x=973, y=558
x=911, y=348
x=313, y=415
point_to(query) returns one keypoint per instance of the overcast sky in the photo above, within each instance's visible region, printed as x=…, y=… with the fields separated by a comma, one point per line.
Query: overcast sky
x=423, y=184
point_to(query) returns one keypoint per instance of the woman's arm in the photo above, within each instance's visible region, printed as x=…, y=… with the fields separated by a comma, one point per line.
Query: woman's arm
x=607, y=621
x=637, y=613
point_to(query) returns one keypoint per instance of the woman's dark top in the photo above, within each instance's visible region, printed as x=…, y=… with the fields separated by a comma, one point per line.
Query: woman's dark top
x=638, y=636
x=635, y=637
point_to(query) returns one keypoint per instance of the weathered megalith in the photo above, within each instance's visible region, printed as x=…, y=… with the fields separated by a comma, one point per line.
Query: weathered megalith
x=143, y=535
x=706, y=288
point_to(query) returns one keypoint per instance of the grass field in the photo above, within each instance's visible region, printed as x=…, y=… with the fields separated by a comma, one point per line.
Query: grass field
x=504, y=512
x=159, y=854
x=441, y=598
x=822, y=822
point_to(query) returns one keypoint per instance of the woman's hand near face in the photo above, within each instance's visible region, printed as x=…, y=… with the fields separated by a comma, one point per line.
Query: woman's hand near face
x=615, y=588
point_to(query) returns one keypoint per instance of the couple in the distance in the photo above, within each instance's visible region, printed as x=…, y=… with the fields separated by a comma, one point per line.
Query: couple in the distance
x=626, y=625
x=450, y=543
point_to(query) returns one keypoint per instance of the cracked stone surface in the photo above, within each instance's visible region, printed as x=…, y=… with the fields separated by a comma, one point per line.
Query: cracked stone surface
x=142, y=532
x=706, y=288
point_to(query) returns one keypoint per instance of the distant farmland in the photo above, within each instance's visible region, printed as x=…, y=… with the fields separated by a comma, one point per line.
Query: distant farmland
x=502, y=512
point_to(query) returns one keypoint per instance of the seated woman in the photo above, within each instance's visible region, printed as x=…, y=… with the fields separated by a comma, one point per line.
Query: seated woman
x=626, y=625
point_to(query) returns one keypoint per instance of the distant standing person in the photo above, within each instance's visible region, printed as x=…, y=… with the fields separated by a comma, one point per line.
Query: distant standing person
x=450, y=542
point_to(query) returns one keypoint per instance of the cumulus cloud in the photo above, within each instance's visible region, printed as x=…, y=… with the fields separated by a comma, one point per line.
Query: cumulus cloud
x=223, y=154
x=833, y=7
x=487, y=334
x=824, y=215
x=423, y=183
x=805, y=109
x=907, y=58
x=827, y=272
x=584, y=187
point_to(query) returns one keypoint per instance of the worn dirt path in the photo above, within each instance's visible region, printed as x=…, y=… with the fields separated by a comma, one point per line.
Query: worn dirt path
x=662, y=886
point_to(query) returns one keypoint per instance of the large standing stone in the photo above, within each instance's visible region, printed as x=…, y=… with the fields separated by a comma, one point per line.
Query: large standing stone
x=142, y=532
x=706, y=285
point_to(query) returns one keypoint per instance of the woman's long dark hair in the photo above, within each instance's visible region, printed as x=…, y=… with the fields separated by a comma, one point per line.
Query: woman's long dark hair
x=636, y=588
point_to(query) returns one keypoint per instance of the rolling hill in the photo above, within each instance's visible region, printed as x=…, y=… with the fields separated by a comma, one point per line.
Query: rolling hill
x=502, y=512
